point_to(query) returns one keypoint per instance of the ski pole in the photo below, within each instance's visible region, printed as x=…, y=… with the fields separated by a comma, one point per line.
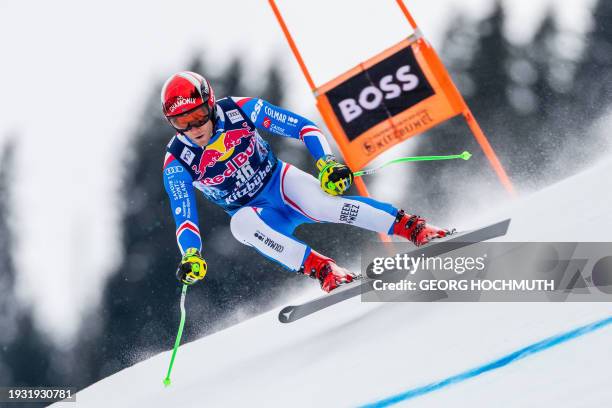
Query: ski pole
x=465, y=156
x=177, y=342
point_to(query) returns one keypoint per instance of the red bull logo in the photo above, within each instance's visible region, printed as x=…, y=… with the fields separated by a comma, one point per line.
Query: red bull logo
x=209, y=158
x=222, y=149
x=234, y=137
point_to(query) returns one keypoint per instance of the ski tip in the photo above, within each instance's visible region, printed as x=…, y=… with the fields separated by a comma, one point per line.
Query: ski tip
x=505, y=224
x=285, y=315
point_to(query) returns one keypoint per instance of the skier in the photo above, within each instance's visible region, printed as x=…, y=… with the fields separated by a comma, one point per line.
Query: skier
x=217, y=149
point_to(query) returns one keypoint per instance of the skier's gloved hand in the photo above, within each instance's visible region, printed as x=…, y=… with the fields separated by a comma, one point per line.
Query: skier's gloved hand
x=335, y=177
x=192, y=267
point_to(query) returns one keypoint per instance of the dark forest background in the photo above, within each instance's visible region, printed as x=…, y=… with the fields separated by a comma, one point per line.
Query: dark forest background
x=534, y=101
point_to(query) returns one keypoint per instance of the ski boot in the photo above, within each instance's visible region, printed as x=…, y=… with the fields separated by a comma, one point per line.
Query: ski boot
x=416, y=230
x=326, y=271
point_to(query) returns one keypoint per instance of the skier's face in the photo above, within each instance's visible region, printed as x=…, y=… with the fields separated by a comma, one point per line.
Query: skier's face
x=201, y=135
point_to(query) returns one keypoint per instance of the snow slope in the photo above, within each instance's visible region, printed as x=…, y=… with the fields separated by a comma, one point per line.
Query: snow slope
x=355, y=354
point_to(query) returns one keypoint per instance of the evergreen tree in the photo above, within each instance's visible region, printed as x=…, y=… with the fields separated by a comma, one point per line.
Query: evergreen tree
x=544, y=57
x=231, y=83
x=273, y=90
x=542, y=75
x=572, y=93
x=24, y=354
x=8, y=304
x=488, y=68
x=594, y=76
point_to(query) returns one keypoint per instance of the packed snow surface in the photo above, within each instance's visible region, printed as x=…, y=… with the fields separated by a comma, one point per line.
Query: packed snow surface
x=355, y=353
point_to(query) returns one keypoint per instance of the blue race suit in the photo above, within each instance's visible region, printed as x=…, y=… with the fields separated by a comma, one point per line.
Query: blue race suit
x=266, y=197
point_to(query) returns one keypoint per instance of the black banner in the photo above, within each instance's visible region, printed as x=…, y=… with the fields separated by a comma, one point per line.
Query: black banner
x=382, y=91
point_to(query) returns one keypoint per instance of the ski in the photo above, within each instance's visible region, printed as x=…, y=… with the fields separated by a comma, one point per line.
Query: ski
x=438, y=247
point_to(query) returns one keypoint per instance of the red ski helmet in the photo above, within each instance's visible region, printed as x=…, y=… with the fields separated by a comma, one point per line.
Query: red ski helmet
x=185, y=91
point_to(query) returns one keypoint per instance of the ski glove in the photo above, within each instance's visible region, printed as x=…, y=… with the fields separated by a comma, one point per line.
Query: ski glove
x=335, y=177
x=192, y=267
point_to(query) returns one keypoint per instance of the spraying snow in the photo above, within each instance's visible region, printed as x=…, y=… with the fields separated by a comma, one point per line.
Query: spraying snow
x=354, y=354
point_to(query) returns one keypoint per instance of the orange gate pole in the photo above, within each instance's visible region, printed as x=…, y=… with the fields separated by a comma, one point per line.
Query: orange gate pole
x=292, y=45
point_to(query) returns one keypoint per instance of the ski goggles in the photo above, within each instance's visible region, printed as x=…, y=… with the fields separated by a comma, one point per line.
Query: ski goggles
x=193, y=119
